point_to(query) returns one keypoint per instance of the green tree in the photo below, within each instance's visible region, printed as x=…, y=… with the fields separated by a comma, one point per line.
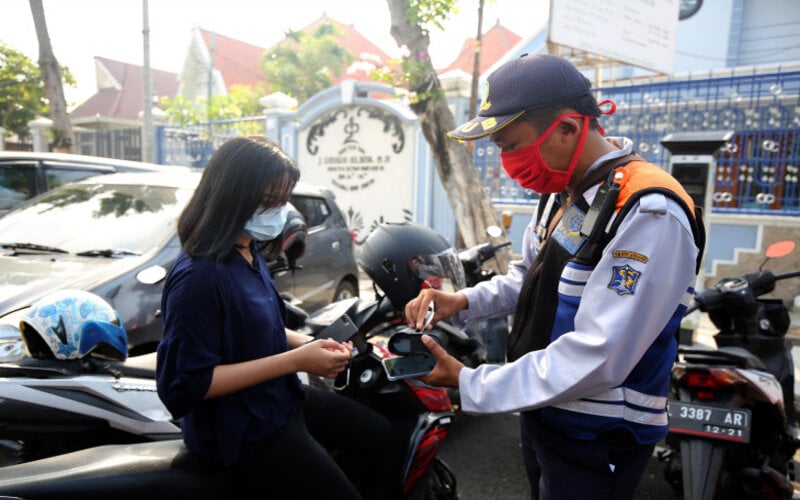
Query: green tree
x=240, y=102
x=304, y=64
x=469, y=201
x=22, y=95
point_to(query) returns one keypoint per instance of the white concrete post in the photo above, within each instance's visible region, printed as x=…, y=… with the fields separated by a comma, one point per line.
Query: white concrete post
x=40, y=130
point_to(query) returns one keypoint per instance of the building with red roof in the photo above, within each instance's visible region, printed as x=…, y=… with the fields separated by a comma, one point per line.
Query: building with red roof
x=496, y=42
x=118, y=101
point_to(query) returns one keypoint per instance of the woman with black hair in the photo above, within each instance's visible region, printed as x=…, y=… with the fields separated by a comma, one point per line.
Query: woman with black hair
x=226, y=363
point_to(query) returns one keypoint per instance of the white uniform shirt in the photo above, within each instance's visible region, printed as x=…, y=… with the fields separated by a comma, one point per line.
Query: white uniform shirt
x=610, y=335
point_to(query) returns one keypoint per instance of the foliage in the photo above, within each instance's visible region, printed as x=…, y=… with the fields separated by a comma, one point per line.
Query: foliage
x=22, y=91
x=303, y=64
x=240, y=102
x=413, y=71
x=410, y=73
x=430, y=12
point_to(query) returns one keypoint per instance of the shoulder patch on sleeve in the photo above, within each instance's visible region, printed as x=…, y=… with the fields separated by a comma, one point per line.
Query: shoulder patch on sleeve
x=624, y=279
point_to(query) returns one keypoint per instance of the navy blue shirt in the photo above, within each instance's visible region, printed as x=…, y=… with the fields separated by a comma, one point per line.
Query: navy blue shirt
x=221, y=313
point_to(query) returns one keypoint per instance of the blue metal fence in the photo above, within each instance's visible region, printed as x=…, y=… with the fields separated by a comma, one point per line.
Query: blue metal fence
x=193, y=144
x=757, y=173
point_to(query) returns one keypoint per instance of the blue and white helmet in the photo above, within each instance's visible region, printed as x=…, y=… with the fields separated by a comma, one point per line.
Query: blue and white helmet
x=72, y=324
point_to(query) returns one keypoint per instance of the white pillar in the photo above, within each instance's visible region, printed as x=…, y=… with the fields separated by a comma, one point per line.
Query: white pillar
x=275, y=106
x=40, y=130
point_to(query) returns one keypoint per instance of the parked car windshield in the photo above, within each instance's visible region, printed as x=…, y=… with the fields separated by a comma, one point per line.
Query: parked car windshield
x=96, y=219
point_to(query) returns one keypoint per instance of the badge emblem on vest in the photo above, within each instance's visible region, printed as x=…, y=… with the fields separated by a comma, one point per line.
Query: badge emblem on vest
x=623, y=279
x=568, y=231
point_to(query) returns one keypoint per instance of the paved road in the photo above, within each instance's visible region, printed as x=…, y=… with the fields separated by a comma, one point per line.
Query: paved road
x=484, y=453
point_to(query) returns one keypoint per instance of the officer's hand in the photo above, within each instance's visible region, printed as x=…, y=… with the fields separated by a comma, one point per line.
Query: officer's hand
x=447, y=369
x=445, y=305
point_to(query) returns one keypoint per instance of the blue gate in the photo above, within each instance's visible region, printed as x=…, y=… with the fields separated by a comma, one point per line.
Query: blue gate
x=757, y=173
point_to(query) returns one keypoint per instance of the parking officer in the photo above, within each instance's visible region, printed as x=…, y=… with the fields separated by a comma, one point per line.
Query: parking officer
x=609, y=262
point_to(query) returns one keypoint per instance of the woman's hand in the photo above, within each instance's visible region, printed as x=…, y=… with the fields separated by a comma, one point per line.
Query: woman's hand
x=324, y=357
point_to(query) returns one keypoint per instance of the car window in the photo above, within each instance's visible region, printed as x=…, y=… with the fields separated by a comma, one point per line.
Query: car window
x=17, y=184
x=95, y=217
x=315, y=210
x=57, y=176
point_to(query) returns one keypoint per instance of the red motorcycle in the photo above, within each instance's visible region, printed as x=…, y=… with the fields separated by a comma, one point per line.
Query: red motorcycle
x=421, y=412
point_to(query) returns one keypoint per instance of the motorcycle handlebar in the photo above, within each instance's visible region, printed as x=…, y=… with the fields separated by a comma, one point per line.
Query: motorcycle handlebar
x=486, y=252
x=790, y=274
x=753, y=285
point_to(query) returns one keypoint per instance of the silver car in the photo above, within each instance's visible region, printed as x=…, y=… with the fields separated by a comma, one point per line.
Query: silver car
x=24, y=174
x=115, y=235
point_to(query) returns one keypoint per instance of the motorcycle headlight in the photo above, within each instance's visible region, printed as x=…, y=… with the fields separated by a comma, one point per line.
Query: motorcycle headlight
x=12, y=348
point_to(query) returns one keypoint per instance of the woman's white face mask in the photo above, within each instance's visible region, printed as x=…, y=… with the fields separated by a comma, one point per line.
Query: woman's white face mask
x=266, y=225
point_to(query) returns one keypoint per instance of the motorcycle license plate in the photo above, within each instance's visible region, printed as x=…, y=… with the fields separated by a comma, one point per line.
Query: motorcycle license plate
x=709, y=421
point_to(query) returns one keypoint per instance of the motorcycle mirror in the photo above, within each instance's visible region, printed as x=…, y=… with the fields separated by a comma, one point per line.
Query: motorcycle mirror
x=409, y=341
x=780, y=249
x=494, y=231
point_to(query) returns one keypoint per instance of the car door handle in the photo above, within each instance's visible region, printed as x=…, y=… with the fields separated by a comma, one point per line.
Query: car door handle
x=336, y=246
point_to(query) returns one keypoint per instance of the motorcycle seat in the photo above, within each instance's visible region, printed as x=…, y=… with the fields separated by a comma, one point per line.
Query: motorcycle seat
x=153, y=470
x=142, y=366
x=738, y=356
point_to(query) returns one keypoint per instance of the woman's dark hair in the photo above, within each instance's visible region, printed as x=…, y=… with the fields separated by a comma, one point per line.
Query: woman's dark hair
x=230, y=190
x=542, y=118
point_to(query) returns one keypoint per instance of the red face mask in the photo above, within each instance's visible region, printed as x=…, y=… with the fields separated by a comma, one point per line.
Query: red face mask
x=528, y=167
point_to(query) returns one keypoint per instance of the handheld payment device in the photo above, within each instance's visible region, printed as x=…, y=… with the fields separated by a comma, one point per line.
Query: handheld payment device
x=411, y=365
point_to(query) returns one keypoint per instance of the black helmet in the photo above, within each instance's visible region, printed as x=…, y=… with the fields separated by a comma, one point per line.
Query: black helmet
x=402, y=258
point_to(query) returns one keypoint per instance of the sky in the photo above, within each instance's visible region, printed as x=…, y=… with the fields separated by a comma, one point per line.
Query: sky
x=82, y=29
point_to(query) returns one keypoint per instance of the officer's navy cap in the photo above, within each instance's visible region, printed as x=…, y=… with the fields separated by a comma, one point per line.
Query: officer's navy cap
x=526, y=83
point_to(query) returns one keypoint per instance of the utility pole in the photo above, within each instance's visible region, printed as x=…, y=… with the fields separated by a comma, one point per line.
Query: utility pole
x=210, y=90
x=476, y=64
x=148, y=135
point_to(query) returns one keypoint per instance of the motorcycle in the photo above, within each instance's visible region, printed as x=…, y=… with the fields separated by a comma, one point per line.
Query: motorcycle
x=733, y=429
x=53, y=406
x=58, y=406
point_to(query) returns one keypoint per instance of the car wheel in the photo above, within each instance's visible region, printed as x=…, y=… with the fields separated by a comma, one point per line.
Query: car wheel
x=345, y=290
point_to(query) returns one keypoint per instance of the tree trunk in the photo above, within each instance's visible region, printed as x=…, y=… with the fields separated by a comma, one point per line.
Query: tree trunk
x=469, y=200
x=54, y=89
